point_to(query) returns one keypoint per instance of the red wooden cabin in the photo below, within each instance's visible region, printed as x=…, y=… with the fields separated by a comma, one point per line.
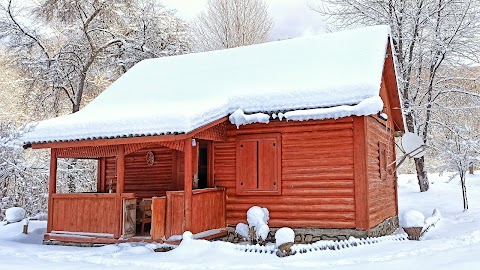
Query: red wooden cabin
x=332, y=170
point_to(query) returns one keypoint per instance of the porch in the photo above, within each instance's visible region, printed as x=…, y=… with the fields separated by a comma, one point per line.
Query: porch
x=146, y=191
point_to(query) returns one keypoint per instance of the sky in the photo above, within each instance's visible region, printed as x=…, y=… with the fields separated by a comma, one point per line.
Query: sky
x=292, y=18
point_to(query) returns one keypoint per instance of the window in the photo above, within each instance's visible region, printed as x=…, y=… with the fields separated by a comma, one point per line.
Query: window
x=258, y=164
x=382, y=156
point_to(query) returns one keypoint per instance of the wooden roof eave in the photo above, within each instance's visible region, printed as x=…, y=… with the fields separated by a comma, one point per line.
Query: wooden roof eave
x=392, y=90
x=128, y=140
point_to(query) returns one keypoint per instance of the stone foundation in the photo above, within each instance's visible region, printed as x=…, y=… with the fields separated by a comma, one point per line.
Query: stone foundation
x=310, y=235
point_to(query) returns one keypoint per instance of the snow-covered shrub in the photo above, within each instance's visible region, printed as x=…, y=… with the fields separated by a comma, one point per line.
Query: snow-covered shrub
x=412, y=218
x=15, y=214
x=257, y=228
x=283, y=236
x=242, y=230
x=257, y=216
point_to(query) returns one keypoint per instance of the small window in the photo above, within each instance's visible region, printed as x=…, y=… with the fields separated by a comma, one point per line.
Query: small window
x=382, y=156
x=258, y=164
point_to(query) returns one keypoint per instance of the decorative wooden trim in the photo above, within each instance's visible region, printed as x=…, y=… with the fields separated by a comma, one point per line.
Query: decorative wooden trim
x=208, y=126
x=175, y=145
x=188, y=180
x=106, y=142
x=362, y=220
x=86, y=152
x=215, y=133
x=52, y=188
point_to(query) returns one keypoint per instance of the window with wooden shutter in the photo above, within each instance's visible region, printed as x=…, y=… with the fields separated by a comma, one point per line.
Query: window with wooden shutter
x=258, y=164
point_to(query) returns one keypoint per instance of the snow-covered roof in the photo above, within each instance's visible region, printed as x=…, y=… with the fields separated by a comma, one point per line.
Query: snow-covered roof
x=182, y=93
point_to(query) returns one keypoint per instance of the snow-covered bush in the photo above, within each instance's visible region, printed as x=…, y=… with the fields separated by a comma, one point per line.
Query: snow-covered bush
x=15, y=214
x=283, y=236
x=242, y=229
x=257, y=228
x=412, y=218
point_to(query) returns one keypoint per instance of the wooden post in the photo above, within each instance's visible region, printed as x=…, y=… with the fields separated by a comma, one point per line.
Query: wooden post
x=362, y=220
x=188, y=182
x=120, y=189
x=52, y=187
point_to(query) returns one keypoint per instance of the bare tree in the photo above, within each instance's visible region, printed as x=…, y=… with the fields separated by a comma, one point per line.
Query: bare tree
x=462, y=152
x=428, y=36
x=232, y=23
x=67, y=47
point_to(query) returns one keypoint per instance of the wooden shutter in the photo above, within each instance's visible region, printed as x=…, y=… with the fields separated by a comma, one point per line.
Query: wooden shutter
x=267, y=165
x=258, y=164
x=247, y=165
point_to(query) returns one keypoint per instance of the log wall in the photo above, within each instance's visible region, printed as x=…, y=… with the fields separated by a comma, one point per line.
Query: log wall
x=317, y=174
x=147, y=180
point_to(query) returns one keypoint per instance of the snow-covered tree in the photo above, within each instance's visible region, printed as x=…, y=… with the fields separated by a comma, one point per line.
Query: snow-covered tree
x=431, y=39
x=232, y=23
x=23, y=177
x=70, y=49
x=459, y=148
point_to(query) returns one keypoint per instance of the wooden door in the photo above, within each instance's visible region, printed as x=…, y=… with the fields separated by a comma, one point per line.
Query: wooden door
x=129, y=218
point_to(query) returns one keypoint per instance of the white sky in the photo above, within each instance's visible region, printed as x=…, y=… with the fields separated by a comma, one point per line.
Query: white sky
x=292, y=18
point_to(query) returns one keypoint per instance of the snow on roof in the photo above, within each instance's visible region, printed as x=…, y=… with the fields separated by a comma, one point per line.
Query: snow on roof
x=179, y=94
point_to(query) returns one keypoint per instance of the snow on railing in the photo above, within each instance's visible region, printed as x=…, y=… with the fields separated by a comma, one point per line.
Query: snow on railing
x=323, y=245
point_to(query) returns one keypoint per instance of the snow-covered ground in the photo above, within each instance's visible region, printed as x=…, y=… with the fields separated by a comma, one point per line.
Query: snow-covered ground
x=453, y=244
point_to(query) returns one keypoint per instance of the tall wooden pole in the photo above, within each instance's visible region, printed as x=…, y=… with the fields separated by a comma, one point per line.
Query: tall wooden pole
x=188, y=182
x=52, y=187
x=120, y=189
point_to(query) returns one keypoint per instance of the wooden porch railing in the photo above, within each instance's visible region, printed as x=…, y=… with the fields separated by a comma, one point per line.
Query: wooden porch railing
x=86, y=212
x=208, y=212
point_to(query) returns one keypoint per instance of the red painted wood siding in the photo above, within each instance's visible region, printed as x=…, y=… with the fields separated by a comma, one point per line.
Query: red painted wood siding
x=147, y=180
x=382, y=192
x=317, y=174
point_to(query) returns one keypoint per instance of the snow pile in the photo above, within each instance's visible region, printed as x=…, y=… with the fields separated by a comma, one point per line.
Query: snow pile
x=433, y=219
x=15, y=214
x=242, y=229
x=239, y=118
x=283, y=236
x=412, y=218
x=281, y=76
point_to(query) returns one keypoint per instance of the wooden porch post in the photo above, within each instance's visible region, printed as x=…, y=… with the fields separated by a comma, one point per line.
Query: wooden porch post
x=188, y=182
x=120, y=189
x=52, y=187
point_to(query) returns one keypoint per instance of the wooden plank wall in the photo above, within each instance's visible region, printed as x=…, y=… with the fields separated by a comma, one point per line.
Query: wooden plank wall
x=317, y=175
x=92, y=213
x=146, y=180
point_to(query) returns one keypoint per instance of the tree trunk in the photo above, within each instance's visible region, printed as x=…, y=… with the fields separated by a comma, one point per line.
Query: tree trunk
x=464, y=190
x=471, y=169
x=422, y=174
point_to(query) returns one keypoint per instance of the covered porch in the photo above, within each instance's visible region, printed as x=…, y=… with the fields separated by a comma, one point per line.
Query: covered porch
x=148, y=189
